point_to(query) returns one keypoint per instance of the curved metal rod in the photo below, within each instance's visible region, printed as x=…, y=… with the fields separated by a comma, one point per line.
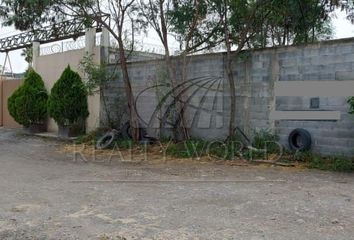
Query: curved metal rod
x=181, y=112
x=162, y=101
x=197, y=117
x=176, y=99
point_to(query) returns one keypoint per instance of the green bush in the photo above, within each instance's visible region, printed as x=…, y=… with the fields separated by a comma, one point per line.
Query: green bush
x=350, y=101
x=332, y=163
x=303, y=156
x=195, y=148
x=265, y=139
x=189, y=149
x=28, y=104
x=67, y=102
x=227, y=150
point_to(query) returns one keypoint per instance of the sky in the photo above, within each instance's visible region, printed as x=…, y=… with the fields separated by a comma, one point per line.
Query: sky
x=342, y=29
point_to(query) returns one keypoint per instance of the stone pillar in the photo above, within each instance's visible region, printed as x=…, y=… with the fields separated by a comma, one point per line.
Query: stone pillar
x=105, y=41
x=90, y=40
x=35, y=54
x=105, y=44
x=93, y=100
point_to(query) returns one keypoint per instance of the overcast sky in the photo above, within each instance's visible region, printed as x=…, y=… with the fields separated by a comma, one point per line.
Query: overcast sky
x=342, y=27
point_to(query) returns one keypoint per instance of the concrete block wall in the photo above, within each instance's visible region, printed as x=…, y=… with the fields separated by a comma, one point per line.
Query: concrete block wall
x=326, y=61
x=256, y=75
x=208, y=97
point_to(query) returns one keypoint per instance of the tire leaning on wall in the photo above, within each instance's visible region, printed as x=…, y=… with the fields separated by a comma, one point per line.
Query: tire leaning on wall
x=300, y=140
x=107, y=140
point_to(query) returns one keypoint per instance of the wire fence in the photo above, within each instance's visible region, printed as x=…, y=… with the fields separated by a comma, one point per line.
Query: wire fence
x=79, y=43
x=66, y=46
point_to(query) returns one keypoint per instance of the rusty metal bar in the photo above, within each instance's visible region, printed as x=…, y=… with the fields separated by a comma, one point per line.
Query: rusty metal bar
x=57, y=32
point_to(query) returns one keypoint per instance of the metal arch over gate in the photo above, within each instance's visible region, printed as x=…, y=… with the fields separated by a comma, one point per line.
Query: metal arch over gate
x=65, y=30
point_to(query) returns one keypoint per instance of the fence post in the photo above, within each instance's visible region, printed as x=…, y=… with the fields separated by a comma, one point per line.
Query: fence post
x=105, y=44
x=35, y=52
x=90, y=40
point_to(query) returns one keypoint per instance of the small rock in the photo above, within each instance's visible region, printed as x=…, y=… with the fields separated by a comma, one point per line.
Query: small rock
x=335, y=221
x=300, y=221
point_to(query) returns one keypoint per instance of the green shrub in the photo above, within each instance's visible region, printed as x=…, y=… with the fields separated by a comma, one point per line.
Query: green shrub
x=350, y=101
x=227, y=150
x=195, y=148
x=123, y=144
x=254, y=154
x=91, y=137
x=28, y=104
x=189, y=149
x=333, y=163
x=265, y=139
x=264, y=143
x=303, y=156
x=67, y=102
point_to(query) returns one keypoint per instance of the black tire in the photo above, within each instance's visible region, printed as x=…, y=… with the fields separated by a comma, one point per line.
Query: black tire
x=127, y=133
x=300, y=140
x=106, y=141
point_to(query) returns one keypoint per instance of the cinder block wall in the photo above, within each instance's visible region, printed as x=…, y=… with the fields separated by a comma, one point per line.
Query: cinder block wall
x=257, y=74
x=208, y=111
x=326, y=61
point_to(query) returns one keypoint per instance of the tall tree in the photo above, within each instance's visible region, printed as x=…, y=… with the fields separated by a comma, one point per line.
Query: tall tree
x=122, y=12
x=26, y=14
x=20, y=14
x=188, y=21
x=240, y=21
x=296, y=22
x=198, y=24
x=153, y=14
x=27, y=53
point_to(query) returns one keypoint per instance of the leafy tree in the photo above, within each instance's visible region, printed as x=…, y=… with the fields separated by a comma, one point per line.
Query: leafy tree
x=237, y=25
x=122, y=13
x=187, y=21
x=97, y=79
x=28, y=54
x=296, y=22
x=67, y=103
x=26, y=14
x=20, y=14
x=198, y=25
x=193, y=23
x=28, y=104
x=153, y=14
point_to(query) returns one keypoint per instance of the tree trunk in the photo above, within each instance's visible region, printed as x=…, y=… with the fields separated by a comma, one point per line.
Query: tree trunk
x=230, y=77
x=133, y=116
x=179, y=132
x=103, y=97
x=134, y=122
x=231, y=80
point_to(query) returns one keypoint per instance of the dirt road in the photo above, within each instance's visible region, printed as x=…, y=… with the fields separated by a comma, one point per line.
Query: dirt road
x=44, y=194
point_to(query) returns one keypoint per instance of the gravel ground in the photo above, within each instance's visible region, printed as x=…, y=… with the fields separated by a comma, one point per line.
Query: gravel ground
x=46, y=195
